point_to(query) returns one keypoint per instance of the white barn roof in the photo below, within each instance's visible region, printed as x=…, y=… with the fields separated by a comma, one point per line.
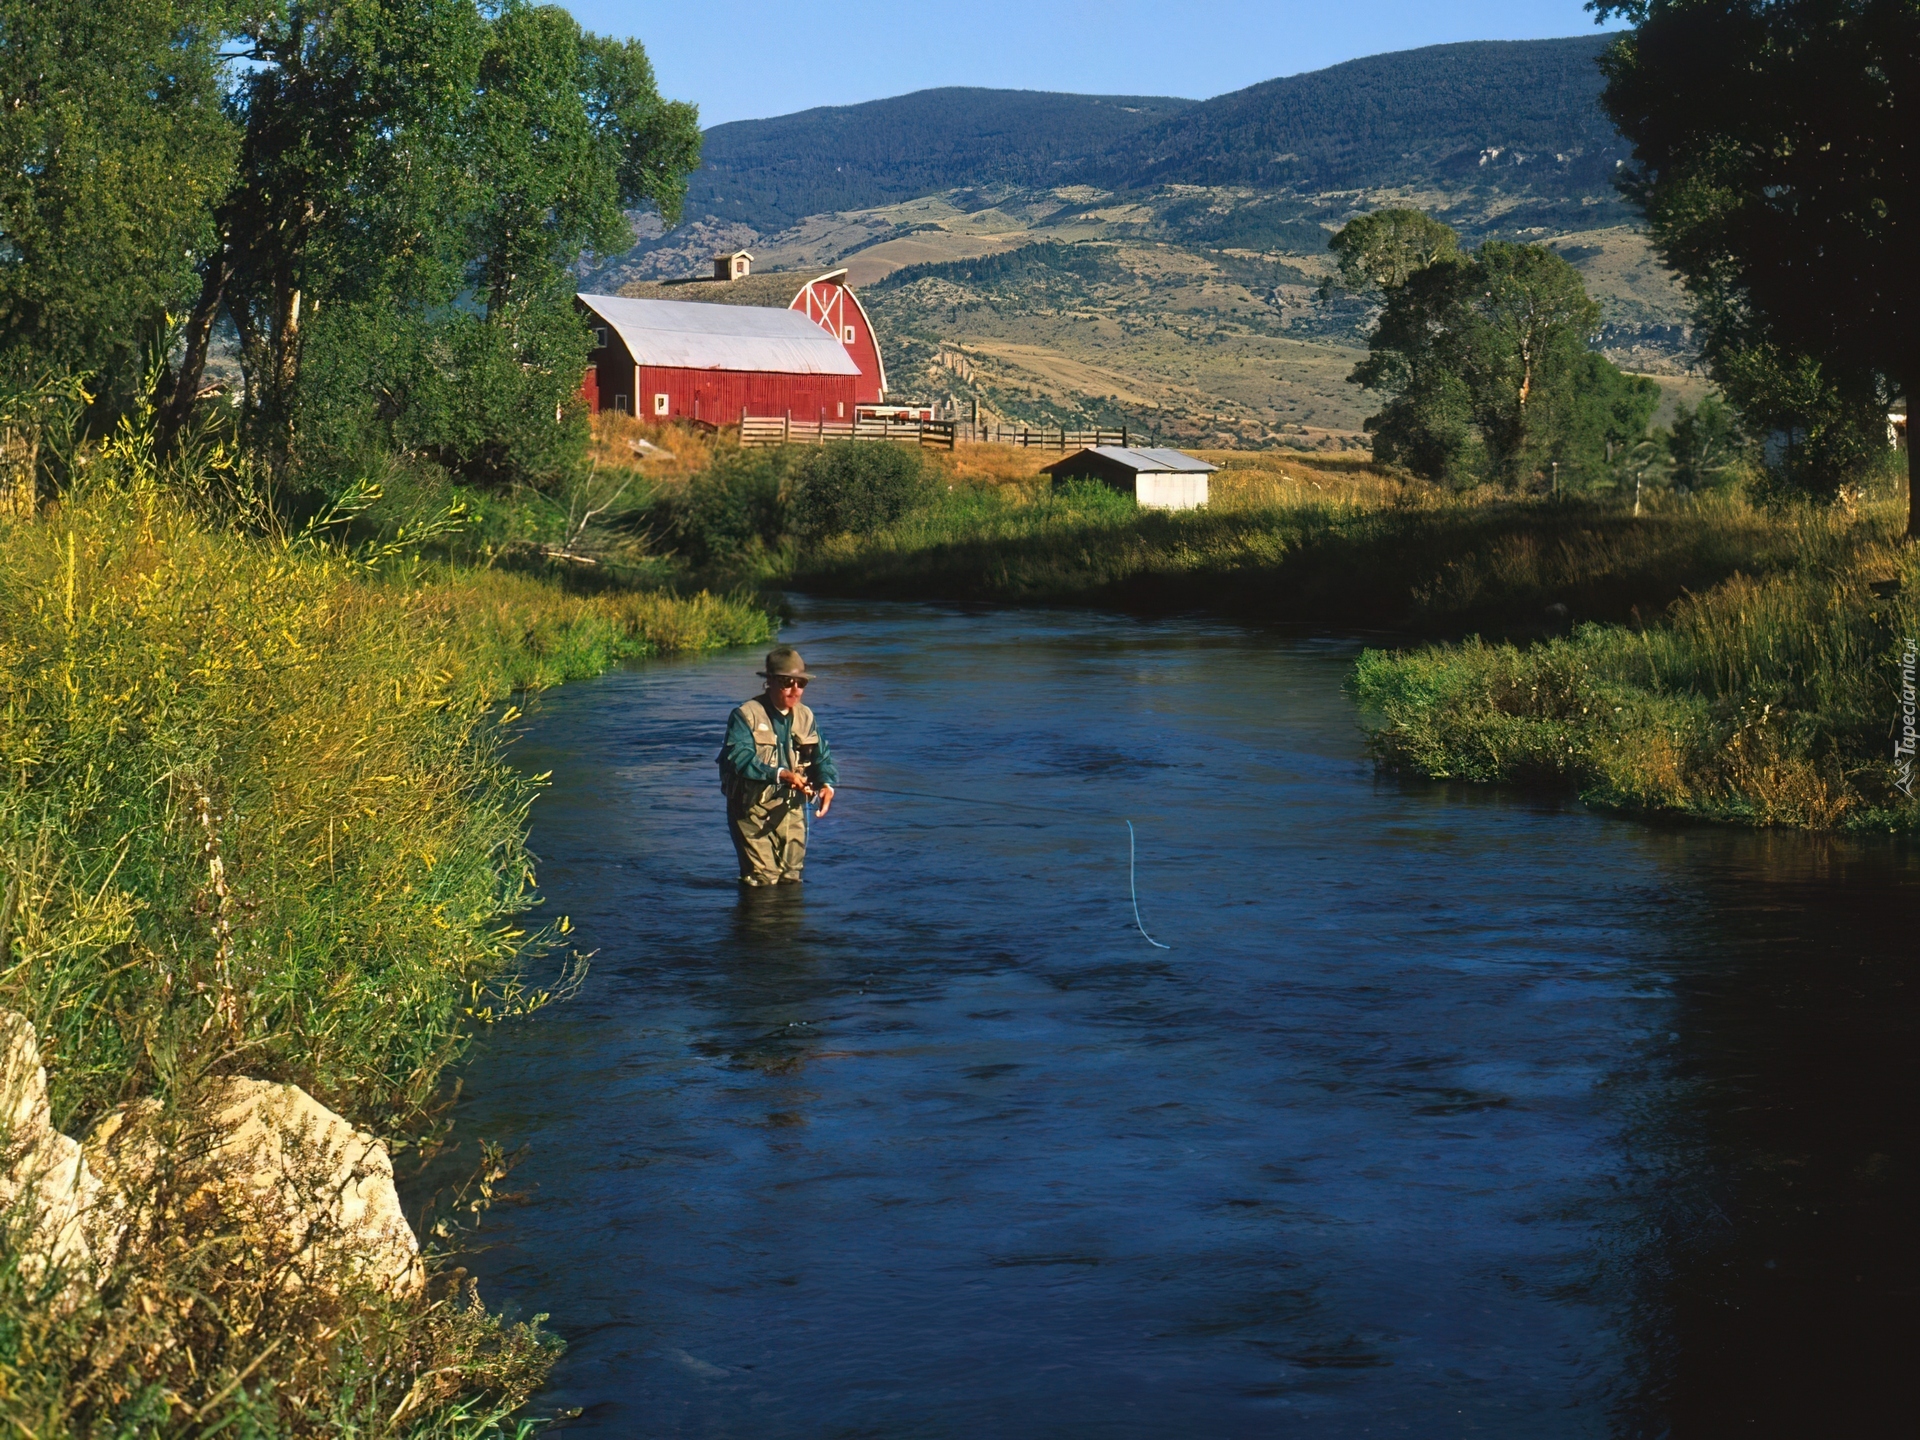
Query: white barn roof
x=693, y=336
x=1143, y=461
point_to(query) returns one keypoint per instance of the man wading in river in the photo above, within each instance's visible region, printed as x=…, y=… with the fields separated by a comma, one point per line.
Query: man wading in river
x=772, y=764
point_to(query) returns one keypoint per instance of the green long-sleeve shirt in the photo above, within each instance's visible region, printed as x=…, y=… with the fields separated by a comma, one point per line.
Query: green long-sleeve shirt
x=739, y=757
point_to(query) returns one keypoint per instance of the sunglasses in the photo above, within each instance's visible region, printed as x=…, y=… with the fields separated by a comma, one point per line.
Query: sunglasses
x=787, y=682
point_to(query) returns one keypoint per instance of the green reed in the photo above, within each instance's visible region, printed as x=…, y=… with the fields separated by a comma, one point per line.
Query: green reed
x=258, y=819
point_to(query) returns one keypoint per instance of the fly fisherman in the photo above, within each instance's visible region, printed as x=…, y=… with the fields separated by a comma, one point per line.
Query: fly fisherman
x=772, y=764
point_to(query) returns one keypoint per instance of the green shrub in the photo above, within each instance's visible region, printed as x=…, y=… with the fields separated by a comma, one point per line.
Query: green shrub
x=855, y=486
x=737, y=508
x=492, y=404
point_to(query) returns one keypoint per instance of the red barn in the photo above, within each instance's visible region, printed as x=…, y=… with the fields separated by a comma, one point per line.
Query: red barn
x=824, y=301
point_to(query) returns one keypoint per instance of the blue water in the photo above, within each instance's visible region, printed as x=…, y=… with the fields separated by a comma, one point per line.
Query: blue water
x=1447, y=1112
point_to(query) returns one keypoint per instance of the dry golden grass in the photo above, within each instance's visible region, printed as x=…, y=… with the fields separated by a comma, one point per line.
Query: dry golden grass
x=996, y=466
x=1256, y=479
x=1247, y=479
x=684, y=450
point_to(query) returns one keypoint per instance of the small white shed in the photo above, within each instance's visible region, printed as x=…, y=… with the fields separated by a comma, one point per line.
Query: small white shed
x=1157, y=479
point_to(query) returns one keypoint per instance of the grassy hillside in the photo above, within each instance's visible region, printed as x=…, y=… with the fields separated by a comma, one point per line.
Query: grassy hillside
x=1074, y=305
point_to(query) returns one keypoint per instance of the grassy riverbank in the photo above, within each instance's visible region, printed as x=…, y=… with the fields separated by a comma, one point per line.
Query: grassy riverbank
x=1352, y=549
x=257, y=821
x=1706, y=656
x=1765, y=700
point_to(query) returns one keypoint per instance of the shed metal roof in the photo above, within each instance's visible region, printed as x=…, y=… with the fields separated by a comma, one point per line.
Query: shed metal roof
x=1142, y=461
x=693, y=336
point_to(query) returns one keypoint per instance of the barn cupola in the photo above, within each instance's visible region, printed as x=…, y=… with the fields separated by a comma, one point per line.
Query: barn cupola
x=736, y=266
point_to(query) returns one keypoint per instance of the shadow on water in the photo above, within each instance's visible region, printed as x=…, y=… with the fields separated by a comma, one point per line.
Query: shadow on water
x=1448, y=1113
x=1777, y=1260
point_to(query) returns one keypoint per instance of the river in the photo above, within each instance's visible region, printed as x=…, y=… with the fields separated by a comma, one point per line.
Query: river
x=1448, y=1112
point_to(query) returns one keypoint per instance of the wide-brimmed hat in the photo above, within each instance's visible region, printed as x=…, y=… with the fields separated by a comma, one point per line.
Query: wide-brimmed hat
x=785, y=662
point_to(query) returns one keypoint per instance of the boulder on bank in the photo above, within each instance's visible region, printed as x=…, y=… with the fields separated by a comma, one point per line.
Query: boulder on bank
x=311, y=1196
x=52, y=1204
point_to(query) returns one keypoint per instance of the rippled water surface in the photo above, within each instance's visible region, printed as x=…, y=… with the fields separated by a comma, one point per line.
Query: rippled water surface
x=1445, y=1114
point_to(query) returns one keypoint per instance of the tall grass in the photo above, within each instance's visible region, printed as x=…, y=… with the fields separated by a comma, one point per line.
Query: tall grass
x=1294, y=543
x=257, y=820
x=1765, y=699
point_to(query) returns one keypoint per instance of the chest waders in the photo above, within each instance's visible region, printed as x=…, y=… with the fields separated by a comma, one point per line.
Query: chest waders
x=796, y=750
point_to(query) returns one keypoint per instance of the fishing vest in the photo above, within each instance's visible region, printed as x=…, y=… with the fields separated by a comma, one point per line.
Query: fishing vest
x=768, y=750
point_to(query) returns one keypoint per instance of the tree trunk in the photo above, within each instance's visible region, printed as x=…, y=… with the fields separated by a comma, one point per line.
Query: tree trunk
x=178, y=406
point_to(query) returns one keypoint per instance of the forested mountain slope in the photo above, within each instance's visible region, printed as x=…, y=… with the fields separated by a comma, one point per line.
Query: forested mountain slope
x=1519, y=111
x=1519, y=114
x=770, y=173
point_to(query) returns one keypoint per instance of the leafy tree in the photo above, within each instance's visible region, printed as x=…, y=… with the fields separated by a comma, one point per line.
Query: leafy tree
x=1384, y=249
x=1428, y=425
x=1520, y=322
x=1595, y=413
x=1774, y=160
x=567, y=131
x=350, y=182
x=1485, y=356
x=1829, y=420
x=113, y=147
x=417, y=180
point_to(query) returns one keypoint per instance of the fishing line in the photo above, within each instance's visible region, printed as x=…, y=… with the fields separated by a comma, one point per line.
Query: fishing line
x=1133, y=889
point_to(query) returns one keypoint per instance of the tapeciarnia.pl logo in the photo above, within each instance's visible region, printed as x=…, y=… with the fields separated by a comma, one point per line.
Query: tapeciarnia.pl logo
x=1903, y=748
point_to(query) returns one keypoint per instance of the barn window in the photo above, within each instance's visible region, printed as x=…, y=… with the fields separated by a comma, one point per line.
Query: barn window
x=843, y=410
x=599, y=337
x=847, y=335
x=620, y=403
x=660, y=404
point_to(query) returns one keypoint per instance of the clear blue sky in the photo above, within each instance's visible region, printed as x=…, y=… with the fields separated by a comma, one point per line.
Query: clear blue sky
x=744, y=59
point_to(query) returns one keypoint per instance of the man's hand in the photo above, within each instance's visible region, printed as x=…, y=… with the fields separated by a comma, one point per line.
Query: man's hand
x=826, y=799
x=794, y=780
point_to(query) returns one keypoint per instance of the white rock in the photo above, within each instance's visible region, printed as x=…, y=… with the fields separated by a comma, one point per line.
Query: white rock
x=46, y=1186
x=275, y=1162
x=316, y=1189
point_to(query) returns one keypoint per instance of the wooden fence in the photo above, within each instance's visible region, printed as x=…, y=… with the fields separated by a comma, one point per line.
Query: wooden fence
x=785, y=430
x=1031, y=437
x=940, y=434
